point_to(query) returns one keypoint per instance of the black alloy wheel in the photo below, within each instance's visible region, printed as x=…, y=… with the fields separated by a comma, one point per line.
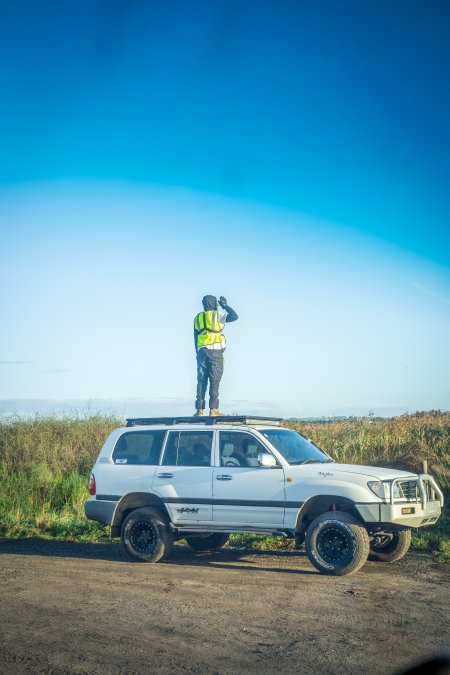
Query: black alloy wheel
x=337, y=543
x=146, y=536
x=334, y=544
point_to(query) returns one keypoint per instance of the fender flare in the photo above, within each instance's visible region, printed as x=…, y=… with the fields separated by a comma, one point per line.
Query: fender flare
x=131, y=501
x=315, y=506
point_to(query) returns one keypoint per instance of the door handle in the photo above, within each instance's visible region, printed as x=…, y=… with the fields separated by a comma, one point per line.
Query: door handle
x=224, y=477
x=165, y=475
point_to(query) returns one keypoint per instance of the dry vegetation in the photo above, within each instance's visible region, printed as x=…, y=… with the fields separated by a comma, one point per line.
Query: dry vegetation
x=400, y=442
x=45, y=463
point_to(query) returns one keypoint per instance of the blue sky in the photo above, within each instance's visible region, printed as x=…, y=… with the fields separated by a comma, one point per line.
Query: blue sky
x=293, y=156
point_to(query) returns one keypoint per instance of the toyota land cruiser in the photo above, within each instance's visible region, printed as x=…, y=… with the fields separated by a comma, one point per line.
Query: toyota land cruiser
x=158, y=480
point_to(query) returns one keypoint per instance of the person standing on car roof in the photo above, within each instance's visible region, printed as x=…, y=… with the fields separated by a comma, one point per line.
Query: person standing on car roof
x=210, y=344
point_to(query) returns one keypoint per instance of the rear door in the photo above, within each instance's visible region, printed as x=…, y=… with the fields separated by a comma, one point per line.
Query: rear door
x=184, y=478
x=132, y=466
x=244, y=493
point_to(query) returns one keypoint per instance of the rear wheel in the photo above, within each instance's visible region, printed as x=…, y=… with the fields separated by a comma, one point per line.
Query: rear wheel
x=337, y=543
x=146, y=536
x=389, y=546
x=208, y=543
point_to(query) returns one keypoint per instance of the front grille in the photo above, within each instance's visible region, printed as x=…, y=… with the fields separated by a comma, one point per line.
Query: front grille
x=410, y=490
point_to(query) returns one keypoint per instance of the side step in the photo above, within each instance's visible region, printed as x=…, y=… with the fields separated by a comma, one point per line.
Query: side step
x=192, y=529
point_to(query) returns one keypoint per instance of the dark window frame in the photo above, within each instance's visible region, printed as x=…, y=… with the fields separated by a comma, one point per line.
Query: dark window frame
x=206, y=435
x=146, y=432
x=256, y=440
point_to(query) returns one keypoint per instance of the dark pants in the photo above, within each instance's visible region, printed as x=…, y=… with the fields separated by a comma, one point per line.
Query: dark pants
x=209, y=367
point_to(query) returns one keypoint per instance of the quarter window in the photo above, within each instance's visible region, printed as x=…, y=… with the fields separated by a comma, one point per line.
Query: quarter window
x=188, y=448
x=139, y=447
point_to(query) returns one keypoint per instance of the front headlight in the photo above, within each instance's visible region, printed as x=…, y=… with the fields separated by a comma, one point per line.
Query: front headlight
x=398, y=494
x=382, y=489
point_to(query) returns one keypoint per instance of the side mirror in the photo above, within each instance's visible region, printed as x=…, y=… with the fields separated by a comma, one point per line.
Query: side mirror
x=267, y=460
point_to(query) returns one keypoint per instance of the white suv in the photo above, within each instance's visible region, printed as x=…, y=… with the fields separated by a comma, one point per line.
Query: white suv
x=162, y=479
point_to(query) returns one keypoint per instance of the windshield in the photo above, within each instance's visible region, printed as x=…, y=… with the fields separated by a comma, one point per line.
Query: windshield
x=294, y=448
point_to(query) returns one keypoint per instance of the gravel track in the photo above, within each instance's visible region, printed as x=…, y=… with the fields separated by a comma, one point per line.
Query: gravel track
x=83, y=608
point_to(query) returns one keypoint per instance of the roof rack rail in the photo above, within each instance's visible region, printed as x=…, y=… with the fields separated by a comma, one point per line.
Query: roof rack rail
x=228, y=419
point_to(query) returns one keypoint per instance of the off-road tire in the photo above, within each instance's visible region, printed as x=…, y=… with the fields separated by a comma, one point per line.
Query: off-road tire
x=209, y=543
x=393, y=550
x=337, y=543
x=145, y=535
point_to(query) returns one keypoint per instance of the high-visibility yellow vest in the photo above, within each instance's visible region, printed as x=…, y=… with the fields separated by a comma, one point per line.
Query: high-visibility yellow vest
x=209, y=329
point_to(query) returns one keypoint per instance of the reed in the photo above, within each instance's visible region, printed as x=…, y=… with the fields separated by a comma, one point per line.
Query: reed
x=45, y=463
x=400, y=442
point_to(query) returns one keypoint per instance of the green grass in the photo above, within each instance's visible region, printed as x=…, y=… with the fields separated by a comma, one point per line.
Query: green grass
x=44, y=468
x=35, y=502
x=45, y=464
x=434, y=539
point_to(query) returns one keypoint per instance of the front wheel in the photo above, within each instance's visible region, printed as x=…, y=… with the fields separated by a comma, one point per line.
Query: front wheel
x=389, y=546
x=337, y=543
x=209, y=543
x=146, y=536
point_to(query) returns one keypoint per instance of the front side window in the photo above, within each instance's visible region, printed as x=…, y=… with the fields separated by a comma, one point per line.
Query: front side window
x=239, y=449
x=139, y=447
x=188, y=448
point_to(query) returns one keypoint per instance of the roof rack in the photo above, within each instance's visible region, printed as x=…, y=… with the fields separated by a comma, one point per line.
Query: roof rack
x=227, y=419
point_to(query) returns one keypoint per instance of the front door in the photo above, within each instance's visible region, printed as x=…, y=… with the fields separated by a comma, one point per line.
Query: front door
x=244, y=493
x=184, y=478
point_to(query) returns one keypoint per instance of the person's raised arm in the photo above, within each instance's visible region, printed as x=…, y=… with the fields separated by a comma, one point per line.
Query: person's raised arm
x=231, y=314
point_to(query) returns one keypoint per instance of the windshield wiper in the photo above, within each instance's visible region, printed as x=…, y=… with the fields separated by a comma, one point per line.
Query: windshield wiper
x=311, y=460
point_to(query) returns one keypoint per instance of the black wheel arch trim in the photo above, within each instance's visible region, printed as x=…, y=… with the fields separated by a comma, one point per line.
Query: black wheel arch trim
x=135, y=500
x=318, y=504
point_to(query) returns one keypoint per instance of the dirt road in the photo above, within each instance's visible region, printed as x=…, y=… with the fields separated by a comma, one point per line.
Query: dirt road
x=83, y=608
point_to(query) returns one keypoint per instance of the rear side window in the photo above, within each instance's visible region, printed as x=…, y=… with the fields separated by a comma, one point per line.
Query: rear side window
x=139, y=447
x=188, y=448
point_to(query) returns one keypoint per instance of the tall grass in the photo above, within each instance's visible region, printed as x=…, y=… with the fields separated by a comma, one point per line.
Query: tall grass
x=37, y=502
x=44, y=468
x=400, y=442
x=62, y=444
x=45, y=464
